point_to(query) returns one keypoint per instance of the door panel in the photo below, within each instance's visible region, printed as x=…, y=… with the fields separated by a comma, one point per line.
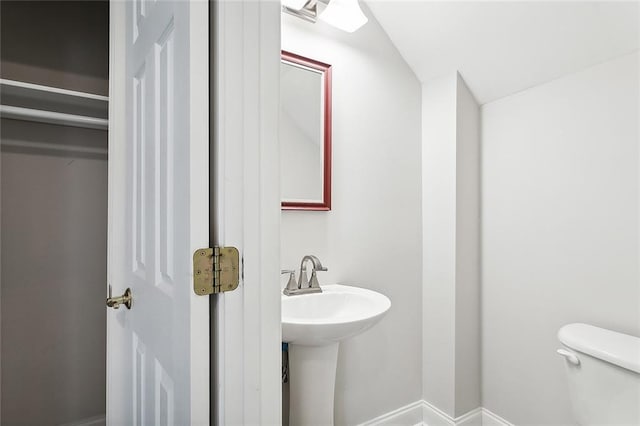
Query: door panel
x=158, y=357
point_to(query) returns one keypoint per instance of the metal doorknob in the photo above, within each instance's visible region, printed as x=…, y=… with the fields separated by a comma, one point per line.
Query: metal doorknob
x=126, y=299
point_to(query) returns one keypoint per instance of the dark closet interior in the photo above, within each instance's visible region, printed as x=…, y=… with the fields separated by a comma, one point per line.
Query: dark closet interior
x=54, y=68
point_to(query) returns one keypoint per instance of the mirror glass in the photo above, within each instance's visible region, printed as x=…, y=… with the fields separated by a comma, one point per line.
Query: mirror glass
x=305, y=133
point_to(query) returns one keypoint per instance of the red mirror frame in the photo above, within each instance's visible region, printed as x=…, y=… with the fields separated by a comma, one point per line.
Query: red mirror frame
x=325, y=69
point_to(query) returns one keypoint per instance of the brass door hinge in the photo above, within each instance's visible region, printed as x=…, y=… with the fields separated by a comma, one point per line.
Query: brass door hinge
x=215, y=270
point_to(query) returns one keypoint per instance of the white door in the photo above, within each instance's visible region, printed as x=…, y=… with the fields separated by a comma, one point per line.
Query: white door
x=158, y=351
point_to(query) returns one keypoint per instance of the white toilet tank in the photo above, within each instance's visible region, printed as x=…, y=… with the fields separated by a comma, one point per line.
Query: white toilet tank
x=603, y=369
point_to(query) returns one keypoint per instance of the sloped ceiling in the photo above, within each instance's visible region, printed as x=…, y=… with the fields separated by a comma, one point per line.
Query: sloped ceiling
x=503, y=47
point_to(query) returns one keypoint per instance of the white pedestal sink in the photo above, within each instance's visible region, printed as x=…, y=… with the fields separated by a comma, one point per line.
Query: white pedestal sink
x=313, y=325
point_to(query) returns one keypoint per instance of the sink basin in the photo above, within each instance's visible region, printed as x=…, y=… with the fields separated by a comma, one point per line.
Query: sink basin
x=313, y=325
x=339, y=312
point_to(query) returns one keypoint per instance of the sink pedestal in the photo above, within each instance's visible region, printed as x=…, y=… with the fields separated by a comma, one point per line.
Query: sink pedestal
x=312, y=380
x=313, y=324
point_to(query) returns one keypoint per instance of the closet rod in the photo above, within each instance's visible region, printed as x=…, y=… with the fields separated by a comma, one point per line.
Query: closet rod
x=50, y=117
x=53, y=147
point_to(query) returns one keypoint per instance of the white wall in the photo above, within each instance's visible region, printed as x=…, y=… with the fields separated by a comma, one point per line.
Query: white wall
x=467, y=291
x=439, y=246
x=451, y=246
x=560, y=230
x=372, y=235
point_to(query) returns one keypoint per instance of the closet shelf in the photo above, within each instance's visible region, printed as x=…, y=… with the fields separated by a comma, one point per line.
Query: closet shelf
x=45, y=104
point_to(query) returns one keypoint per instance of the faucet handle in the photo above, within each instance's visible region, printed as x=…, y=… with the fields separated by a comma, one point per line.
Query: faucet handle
x=291, y=284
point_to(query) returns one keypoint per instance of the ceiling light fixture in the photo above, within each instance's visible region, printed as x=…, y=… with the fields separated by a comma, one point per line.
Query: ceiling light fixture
x=342, y=14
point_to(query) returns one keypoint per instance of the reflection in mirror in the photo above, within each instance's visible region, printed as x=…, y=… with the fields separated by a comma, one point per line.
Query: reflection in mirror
x=301, y=132
x=305, y=133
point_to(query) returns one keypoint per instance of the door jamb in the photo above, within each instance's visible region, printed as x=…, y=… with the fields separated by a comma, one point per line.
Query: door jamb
x=245, y=92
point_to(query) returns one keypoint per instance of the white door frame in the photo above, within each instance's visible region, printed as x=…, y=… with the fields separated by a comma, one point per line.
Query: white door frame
x=246, y=95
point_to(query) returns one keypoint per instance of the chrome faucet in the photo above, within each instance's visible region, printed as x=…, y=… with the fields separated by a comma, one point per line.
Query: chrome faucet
x=303, y=282
x=305, y=285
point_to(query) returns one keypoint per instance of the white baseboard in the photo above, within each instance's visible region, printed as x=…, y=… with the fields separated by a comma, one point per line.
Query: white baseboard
x=424, y=414
x=408, y=415
x=89, y=421
x=472, y=418
x=432, y=416
x=491, y=419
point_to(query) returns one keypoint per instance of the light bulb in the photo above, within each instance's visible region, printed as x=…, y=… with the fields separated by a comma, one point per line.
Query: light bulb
x=344, y=14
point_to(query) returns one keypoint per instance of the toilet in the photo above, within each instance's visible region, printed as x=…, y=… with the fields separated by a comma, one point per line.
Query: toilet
x=603, y=371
